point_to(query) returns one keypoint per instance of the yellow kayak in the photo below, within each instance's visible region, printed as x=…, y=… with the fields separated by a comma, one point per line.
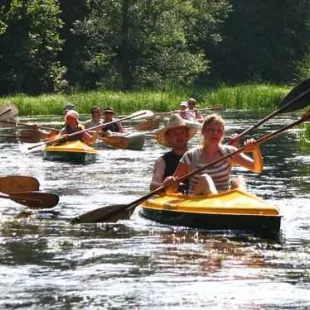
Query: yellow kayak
x=235, y=209
x=71, y=151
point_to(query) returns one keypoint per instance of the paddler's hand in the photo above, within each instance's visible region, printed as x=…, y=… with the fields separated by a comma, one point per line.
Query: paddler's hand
x=64, y=137
x=171, y=184
x=250, y=145
x=234, y=139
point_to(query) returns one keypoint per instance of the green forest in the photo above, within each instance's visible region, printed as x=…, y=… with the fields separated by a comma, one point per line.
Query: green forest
x=64, y=46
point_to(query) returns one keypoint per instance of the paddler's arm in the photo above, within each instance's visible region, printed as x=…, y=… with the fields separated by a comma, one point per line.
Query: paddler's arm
x=158, y=174
x=172, y=183
x=90, y=138
x=256, y=164
x=46, y=135
x=120, y=127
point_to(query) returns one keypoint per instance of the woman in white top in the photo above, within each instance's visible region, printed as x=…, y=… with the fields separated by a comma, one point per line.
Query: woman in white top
x=215, y=178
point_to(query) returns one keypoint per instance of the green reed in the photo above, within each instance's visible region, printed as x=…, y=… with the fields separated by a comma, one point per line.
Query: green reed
x=250, y=97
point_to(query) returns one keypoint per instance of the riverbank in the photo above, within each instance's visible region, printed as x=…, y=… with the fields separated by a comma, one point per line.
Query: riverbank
x=248, y=97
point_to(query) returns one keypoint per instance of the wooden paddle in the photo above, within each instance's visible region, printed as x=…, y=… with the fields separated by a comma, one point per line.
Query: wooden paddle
x=8, y=111
x=150, y=124
x=25, y=124
x=18, y=183
x=297, y=99
x=115, y=212
x=118, y=142
x=25, y=135
x=139, y=114
x=213, y=108
x=34, y=200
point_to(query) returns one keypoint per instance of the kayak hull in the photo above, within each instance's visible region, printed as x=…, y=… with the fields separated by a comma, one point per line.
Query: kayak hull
x=234, y=210
x=129, y=141
x=72, y=151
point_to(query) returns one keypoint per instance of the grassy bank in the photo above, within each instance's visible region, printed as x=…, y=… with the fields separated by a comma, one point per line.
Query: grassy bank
x=250, y=97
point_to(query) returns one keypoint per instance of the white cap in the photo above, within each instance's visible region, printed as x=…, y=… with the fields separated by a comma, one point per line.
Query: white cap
x=184, y=104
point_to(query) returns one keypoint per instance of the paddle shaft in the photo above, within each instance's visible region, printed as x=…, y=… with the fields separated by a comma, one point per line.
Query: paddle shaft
x=5, y=112
x=85, y=130
x=26, y=125
x=284, y=107
x=215, y=108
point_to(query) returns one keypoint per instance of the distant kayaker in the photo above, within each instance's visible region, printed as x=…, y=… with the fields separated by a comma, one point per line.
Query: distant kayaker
x=183, y=112
x=72, y=125
x=108, y=114
x=96, y=119
x=193, y=110
x=49, y=135
x=176, y=135
x=216, y=178
x=69, y=106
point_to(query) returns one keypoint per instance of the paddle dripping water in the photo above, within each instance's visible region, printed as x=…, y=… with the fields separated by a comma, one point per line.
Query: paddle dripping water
x=138, y=264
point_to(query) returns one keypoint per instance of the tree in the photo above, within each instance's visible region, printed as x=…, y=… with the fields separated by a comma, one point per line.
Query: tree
x=30, y=45
x=262, y=41
x=142, y=43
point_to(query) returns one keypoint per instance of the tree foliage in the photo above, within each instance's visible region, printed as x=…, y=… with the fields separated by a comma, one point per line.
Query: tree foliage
x=134, y=44
x=30, y=44
x=143, y=43
x=262, y=41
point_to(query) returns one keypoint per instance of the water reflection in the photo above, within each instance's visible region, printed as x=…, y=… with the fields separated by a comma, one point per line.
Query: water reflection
x=139, y=264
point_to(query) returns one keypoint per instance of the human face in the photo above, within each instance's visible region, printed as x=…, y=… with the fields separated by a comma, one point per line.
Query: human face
x=177, y=137
x=71, y=121
x=96, y=115
x=213, y=132
x=108, y=116
x=191, y=105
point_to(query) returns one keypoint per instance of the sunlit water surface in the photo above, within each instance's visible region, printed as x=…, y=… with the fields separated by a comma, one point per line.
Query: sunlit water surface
x=140, y=264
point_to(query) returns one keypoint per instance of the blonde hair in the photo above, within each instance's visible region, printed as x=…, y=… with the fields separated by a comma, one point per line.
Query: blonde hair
x=212, y=118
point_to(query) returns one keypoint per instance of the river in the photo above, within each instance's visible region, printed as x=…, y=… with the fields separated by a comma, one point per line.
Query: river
x=139, y=264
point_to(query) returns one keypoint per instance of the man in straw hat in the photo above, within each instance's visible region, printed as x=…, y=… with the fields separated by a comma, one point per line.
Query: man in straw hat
x=175, y=134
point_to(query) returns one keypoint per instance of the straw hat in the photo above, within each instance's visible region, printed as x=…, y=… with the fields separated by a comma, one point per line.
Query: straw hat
x=175, y=121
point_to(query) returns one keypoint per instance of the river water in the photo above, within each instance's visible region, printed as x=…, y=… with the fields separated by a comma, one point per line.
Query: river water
x=139, y=264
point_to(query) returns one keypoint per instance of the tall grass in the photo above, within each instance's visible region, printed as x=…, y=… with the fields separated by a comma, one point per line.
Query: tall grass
x=248, y=97
x=251, y=97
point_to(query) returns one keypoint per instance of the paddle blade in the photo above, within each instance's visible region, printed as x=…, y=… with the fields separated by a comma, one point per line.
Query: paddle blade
x=17, y=183
x=149, y=124
x=142, y=114
x=118, y=142
x=8, y=111
x=105, y=214
x=35, y=200
x=29, y=136
x=298, y=98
